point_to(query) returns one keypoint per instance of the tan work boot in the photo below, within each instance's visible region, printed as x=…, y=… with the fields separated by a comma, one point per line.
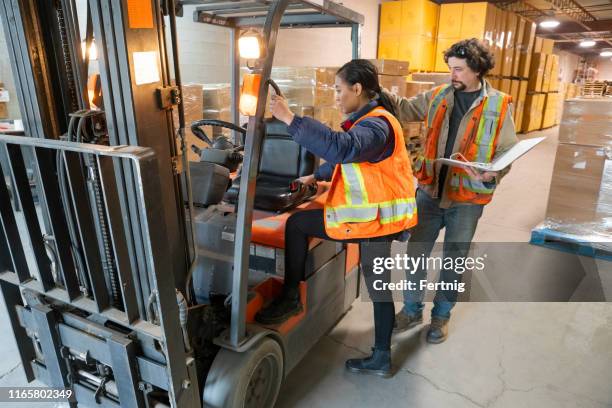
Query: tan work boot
x=405, y=321
x=438, y=330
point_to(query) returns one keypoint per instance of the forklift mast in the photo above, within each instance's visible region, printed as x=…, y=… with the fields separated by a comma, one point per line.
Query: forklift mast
x=96, y=253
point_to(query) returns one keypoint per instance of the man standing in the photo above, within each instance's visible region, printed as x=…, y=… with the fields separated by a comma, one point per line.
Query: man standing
x=465, y=116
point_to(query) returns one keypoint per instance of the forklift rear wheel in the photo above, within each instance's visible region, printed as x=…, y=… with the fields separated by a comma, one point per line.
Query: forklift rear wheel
x=250, y=379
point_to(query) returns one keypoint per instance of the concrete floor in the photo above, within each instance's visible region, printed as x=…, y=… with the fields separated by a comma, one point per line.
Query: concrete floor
x=498, y=354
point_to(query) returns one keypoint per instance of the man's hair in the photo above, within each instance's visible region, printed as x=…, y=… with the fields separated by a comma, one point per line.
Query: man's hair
x=477, y=55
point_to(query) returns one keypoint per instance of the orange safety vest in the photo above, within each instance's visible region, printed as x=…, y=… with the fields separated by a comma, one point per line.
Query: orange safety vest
x=369, y=200
x=478, y=144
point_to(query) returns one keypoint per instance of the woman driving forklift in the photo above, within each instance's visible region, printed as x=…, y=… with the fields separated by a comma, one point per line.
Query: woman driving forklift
x=370, y=201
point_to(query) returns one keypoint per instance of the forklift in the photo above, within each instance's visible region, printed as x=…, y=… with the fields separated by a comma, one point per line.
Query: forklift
x=131, y=276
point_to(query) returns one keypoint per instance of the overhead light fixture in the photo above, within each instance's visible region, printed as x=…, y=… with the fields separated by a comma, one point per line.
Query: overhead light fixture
x=549, y=23
x=607, y=53
x=249, y=45
x=587, y=43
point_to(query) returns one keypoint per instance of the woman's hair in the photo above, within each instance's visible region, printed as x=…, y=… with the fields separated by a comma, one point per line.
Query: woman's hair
x=475, y=53
x=360, y=71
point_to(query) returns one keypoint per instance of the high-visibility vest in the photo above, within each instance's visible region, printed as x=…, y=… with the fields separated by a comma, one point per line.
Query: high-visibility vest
x=478, y=144
x=369, y=200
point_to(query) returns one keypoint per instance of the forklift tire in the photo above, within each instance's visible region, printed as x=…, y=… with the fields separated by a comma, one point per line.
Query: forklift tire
x=250, y=379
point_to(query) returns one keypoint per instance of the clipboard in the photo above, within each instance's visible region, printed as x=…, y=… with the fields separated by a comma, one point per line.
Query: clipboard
x=500, y=163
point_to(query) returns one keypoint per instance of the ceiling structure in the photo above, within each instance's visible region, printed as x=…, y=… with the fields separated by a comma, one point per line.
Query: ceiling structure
x=580, y=20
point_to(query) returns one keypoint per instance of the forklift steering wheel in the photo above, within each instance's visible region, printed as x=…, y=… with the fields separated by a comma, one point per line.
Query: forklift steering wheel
x=195, y=128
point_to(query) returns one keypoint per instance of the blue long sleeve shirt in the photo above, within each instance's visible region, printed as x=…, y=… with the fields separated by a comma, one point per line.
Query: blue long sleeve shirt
x=369, y=140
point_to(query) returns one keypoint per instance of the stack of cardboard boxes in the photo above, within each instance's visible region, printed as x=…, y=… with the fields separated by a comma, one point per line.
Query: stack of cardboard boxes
x=408, y=31
x=580, y=200
x=543, y=87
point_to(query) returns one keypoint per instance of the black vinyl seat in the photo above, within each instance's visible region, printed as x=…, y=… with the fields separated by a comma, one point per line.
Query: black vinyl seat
x=282, y=161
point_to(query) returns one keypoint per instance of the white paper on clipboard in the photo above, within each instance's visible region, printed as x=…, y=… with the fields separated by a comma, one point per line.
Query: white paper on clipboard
x=500, y=162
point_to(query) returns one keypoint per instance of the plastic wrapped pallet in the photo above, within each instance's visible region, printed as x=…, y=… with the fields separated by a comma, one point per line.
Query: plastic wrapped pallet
x=580, y=199
x=587, y=122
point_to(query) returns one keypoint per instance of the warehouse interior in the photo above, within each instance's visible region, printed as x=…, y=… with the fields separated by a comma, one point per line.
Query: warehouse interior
x=554, y=57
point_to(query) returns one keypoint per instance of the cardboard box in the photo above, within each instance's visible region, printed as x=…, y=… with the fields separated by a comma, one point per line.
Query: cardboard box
x=581, y=190
x=305, y=76
x=537, y=46
x=391, y=67
x=554, y=74
x=329, y=116
x=215, y=96
x=419, y=50
x=436, y=78
x=395, y=84
x=477, y=21
x=506, y=86
x=550, y=110
x=420, y=17
x=547, y=46
x=536, y=73
x=388, y=45
x=498, y=36
x=449, y=25
x=518, y=45
x=391, y=18
x=509, y=40
x=3, y=110
x=414, y=88
x=494, y=82
x=547, y=73
x=514, y=89
x=442, y=45
x=526, y=49
x=405, y=24
x=533, y=112
x=587, y=122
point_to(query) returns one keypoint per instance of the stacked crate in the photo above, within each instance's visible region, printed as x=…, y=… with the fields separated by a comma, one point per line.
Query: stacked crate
x=460, y=21
x=408, y=32
x=543, y=88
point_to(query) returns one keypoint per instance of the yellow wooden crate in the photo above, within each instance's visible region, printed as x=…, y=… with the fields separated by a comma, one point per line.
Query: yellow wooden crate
x=388, y=46
x=509, y=40
x=451, y=16
x=547, y=72
x=477, y=21
x=442, y=45
x=418, y=50
x=547, y=46
x=419, y=17
x=391, y=18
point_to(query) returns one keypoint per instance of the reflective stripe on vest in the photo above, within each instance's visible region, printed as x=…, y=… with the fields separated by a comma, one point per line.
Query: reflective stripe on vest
x=354, y=187
x=470, y=184
x=438, y=96
x=390, y=211
x=487, y=128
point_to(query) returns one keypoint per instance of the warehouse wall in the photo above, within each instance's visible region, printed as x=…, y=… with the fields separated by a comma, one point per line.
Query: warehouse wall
x=568, y=63
x=329, y=46
x=605, y=70
x=6, y=77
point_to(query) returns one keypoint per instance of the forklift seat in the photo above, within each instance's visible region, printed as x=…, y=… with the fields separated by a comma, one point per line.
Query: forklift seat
x=281, y=162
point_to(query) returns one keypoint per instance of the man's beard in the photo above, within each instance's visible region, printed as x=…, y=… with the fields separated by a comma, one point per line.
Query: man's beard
x=458, y=85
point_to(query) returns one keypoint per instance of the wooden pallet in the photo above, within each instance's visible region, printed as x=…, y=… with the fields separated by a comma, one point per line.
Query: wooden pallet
x=569, y=243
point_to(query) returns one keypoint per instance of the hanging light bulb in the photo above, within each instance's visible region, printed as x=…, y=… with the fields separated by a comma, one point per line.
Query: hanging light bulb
x=551, y=23
x=587, y=43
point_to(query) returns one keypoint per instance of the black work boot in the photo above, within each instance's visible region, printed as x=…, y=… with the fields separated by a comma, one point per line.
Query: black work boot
x=438, y=330
x=379, y=363
x=282, y=308
x=405, y=321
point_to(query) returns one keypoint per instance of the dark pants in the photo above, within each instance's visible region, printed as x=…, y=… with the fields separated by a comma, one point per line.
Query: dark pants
x=310, y=223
